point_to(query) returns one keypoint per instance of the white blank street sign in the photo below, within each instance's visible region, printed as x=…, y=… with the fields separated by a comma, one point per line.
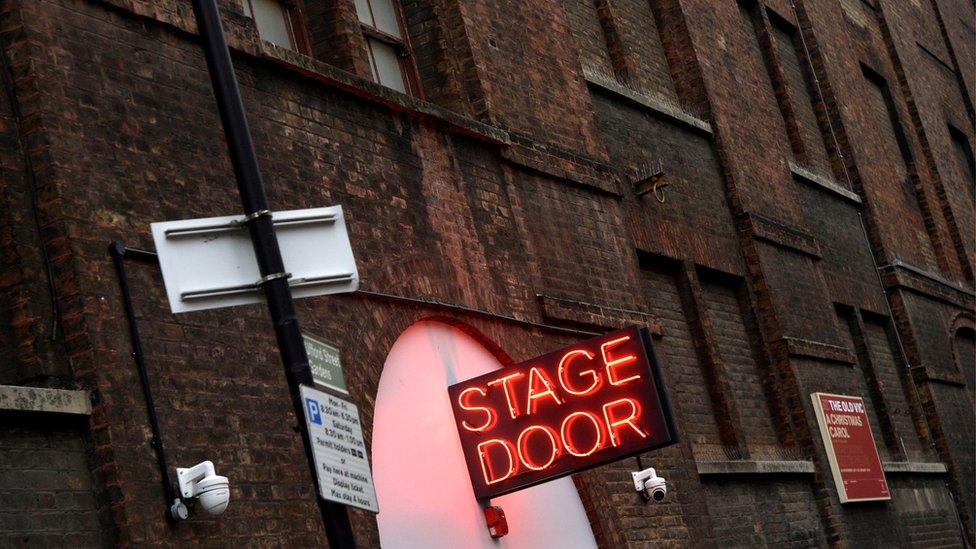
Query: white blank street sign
x=209, y=263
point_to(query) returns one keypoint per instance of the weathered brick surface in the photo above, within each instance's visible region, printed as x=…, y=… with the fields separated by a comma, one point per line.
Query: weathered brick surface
x=48, y=498
x=848, y=268
x=926, y=512
x=809, y=141
x=867, y=384
x=733, y=342
x=955, y=19
x=760, y=282
x=28, y=352
x=964, y=353
x=582, y=17
x=643, y=46
x=955, y=434
x=686, y=378
x=692, y=222
x=925, y=517
x=933, y=83
x=881, y=348
x=771, y=513
x=554, y=107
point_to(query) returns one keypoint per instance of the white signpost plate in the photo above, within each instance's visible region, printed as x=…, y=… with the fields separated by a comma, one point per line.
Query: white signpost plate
x=209, y=263
x=341, y=465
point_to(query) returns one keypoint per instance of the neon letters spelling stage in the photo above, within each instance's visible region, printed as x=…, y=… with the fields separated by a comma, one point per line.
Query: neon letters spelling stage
x=572, y=409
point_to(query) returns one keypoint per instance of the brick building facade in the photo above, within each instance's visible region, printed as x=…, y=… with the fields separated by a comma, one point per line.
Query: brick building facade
x=782, y=190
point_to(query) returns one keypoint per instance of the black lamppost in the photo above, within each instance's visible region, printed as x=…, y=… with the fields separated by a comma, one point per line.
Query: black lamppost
x=274, y=280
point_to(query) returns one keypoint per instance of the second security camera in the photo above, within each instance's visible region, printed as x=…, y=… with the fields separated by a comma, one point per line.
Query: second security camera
x=201, y=484
x=651, y=486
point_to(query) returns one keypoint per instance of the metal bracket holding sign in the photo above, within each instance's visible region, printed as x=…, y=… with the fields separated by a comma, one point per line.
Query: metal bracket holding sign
x=851, y=451
x=588, y=404
x=209, y=263
x=341, y=464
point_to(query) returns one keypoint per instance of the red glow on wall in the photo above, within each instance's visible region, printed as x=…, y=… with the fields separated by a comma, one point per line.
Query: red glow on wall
x=569, y=410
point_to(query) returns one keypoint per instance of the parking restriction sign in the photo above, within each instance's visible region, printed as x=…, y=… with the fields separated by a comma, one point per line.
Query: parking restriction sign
x=341, y=464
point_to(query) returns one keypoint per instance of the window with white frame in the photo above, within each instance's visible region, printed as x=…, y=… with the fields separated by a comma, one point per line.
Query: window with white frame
x=387, y=45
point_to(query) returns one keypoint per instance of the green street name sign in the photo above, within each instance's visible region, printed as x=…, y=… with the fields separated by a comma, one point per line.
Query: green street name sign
x=326, y=368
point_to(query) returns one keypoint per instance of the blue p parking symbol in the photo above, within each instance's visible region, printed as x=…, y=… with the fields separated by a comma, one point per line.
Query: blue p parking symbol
x=314, y=415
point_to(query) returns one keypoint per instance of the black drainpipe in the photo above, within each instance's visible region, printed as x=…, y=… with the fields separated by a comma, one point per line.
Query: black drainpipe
x=119, y=254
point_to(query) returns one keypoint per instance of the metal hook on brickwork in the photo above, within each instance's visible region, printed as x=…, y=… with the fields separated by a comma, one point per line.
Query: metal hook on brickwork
x=659, y=192
x=650, y=179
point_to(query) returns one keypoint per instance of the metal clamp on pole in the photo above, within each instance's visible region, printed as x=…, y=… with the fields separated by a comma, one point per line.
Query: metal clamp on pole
x=254, y=215
x=270, y=277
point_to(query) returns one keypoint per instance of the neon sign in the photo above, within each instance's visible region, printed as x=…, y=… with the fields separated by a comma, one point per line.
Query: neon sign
x=579, y=407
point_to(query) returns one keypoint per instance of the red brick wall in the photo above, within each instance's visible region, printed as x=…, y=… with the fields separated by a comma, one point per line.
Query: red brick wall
x=741, y=263
x=686, y=379
x=48, y=497
x=789, y=47
x=749, y=514
x=584, y=22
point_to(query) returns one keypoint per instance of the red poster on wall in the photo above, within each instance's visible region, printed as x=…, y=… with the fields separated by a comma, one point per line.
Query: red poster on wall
x=850, y=446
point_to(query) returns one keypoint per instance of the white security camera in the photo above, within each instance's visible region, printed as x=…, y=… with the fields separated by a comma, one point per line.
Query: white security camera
x=201, y=482
x=651, y=486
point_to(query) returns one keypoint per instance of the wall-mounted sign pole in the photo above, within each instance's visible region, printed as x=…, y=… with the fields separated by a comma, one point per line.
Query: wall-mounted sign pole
x=273, y=276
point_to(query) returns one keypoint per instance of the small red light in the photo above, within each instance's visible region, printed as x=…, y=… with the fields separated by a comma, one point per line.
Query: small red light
x=495, y=518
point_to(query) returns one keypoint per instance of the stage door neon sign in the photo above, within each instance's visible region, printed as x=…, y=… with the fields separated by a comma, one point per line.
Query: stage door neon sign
x=579, y=407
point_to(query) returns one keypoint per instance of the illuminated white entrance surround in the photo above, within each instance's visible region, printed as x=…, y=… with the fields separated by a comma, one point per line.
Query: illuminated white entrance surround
x=425, y=496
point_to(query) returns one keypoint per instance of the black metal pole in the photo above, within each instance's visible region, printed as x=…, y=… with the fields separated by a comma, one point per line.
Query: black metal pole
x=275, y=282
